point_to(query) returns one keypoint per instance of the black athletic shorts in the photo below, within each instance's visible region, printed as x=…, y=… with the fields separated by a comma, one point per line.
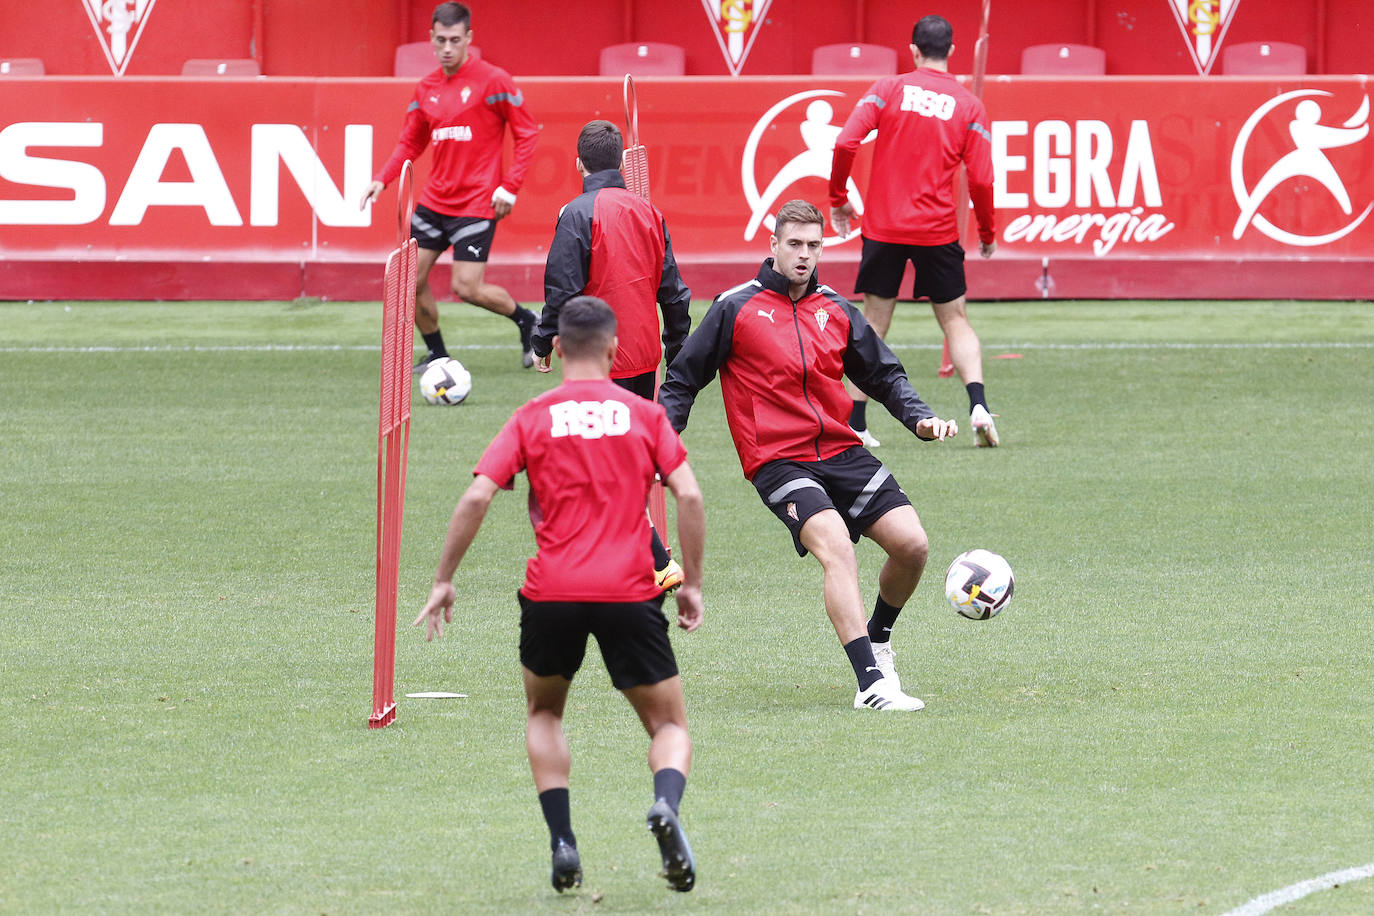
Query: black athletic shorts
x=939, y=270
x=633, y=637
x=642, y=385
x=853, y=483
x=470, y=236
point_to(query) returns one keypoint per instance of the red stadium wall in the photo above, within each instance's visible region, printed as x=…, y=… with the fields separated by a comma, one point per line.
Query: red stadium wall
x=144, y=187
x=549, y=38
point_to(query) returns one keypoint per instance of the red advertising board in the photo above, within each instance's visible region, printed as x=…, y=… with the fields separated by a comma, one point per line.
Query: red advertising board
x=185, y=182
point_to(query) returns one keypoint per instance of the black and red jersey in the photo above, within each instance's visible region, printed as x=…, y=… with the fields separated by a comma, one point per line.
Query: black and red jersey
x=927, y=124
x=613, y=244
x=463, y=118
x=781, y=365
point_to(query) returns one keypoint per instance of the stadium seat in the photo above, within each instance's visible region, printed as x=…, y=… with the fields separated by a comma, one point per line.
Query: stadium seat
x=417, y=59
x=1063, y=60
x=643, y=58
x=853, y=60
x=1261, y=58
x=21, y=66
x=217, y=66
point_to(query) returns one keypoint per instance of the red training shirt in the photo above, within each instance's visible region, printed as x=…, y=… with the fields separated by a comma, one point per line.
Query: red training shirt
x=927, y=124
x=591, y=450
x=464, y=117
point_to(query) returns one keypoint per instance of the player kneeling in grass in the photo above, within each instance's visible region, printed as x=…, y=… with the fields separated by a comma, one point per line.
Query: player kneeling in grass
x=591, y=450
x=781, y=344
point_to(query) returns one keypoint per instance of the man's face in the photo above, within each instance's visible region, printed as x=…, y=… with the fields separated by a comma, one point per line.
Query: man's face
x=797, y=251
x=450, y=44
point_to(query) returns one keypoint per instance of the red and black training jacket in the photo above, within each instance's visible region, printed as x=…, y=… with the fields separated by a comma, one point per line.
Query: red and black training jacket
x=613, y=244
x=781, y=364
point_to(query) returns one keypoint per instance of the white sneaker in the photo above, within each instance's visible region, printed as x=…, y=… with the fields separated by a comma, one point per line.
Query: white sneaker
x=886, y=696
x=983, y=426
x=867, y=438
x=886, y=660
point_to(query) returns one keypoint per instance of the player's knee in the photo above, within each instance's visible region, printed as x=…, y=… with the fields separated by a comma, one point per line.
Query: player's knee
x=912, y=549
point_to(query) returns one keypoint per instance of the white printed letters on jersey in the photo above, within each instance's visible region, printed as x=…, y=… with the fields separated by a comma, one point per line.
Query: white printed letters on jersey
x=927, y=103
x=589, y=419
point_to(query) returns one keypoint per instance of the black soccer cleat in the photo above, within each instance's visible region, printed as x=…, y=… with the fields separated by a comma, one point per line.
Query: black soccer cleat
x=567, y=867
x=678, y=865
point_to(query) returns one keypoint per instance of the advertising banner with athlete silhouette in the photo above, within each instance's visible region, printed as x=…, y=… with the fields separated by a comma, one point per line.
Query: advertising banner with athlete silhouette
x=1112, y=178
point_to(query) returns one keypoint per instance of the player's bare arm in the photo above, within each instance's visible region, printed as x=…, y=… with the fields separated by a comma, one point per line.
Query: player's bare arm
x=691, y=536
x=370, y=194
x=462, y=529
x=933, y=429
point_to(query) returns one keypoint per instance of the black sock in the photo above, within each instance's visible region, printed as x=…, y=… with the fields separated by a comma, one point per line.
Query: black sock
x=434, y=342
x=880, y=624
x=669, y=785
x=976, y=396
x=858, y=415
x=661, y=557
x=860, y=653
x=558, y=815
x=522, y=316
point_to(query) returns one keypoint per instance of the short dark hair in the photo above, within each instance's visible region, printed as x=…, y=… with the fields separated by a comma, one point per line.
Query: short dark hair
x=798, y=211
x=600, y=146
x=586, y=324
x=933, y=36
x=451, y=14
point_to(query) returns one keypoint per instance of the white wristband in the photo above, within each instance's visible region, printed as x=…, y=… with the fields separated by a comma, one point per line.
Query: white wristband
x=502, y=195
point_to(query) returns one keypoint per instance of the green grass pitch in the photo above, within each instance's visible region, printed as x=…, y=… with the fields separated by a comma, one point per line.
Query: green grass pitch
x=1174, y=715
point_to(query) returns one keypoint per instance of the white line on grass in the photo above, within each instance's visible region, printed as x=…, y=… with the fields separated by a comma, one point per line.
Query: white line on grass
x=1266, y=902
x=314, y=348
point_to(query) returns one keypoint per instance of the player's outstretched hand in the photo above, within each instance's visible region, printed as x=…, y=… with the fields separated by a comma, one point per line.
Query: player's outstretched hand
x=840, y=217
x=438, y=610
x=370, y=194
x=935, y=429
x=689, y=607
x=987, y=249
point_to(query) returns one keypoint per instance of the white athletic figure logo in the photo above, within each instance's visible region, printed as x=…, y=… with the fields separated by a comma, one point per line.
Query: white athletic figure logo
x=818, y=135
x=1308, y=160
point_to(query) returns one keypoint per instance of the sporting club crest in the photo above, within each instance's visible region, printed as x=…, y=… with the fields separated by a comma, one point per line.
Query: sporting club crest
x=1204, y=24
x=118, y=25
x=736, y=24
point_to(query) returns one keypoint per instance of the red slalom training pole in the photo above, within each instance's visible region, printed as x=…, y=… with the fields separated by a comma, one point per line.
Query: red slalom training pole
x=634, y=166
x=393, y=445
x=980, y=66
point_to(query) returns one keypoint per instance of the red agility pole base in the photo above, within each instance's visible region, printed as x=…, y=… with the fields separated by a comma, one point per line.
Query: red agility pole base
x=393, y=444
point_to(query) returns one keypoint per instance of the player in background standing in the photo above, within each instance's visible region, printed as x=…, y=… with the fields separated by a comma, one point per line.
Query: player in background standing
x=927, y=125
x=782, y=344
x=591, y=453
x=614, y=244
x=462, y=110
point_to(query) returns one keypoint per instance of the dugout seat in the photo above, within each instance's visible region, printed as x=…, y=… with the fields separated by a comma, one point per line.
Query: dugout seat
x=853, y=59
x=1063, y=60
x=221, y=66
x=1262, y=58
x=21, y=66
x=416, y=59
x=643, y=58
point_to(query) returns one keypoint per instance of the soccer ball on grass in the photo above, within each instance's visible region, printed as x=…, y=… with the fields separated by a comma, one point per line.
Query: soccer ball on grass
x=445, y=381
x=979, y=584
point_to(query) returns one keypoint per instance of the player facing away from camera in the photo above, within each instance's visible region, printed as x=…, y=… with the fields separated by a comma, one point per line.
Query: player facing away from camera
x=461, y=111
x=614, y=244
x=927, y=125
x=591, y=451
x=782, y=344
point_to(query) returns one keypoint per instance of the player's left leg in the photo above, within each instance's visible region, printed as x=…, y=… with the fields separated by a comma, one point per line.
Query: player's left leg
x=966, y=353
x=551, y=764
x=470, y=284
x=881, y=266
x=663, y=713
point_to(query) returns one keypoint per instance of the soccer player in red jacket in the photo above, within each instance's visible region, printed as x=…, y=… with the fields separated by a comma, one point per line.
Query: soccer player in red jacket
x=782, y=344
x=461, y=111
x=927, y=125
x=591, y=451
x=613, y=244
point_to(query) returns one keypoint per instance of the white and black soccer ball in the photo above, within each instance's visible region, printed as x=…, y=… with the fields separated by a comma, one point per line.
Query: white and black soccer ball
x=979, y=584
x=445, y=381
